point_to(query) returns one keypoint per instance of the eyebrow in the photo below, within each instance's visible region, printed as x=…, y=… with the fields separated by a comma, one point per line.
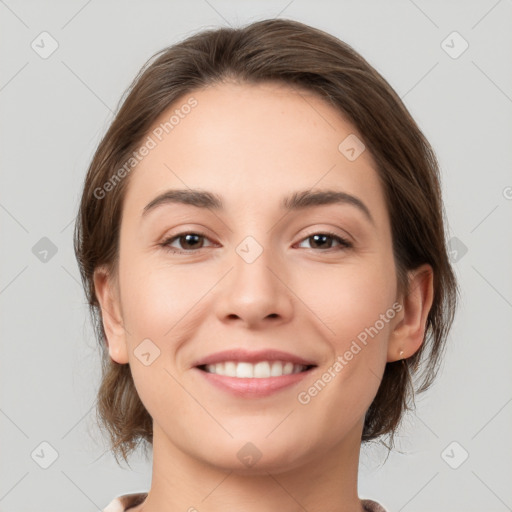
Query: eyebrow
x=296, y=201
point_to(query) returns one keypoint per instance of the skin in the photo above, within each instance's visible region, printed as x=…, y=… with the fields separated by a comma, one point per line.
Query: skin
x=252, y=145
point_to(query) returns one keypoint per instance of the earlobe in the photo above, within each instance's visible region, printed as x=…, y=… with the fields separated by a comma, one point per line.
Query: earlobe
x=108, y=299
x=409, y=332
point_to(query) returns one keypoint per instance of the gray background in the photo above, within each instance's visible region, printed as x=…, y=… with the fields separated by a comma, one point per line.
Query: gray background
x=54, y=112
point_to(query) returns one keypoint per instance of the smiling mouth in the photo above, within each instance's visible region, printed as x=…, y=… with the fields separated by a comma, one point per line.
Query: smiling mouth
x=259, y=370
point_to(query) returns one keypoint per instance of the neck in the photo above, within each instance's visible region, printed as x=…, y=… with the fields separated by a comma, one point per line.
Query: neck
x=325, y=482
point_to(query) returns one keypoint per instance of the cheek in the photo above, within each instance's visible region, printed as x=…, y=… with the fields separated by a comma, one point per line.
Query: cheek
x=359, y=308
x=158, y=304
x=351, y=298
x=156, y=297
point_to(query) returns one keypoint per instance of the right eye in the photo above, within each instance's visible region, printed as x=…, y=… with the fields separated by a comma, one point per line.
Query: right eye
x=188, y=238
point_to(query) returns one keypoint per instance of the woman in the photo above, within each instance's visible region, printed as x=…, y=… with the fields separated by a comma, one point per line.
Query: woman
x=262, y=245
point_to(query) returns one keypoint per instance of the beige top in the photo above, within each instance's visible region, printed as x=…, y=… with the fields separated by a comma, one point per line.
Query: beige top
x=127, y=501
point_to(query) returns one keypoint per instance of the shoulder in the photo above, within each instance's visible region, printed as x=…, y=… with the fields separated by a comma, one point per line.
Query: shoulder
x=125, y=502
x=372, y=506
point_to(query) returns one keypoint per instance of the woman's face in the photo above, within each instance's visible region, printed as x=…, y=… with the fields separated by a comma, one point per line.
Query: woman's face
x=257, y=280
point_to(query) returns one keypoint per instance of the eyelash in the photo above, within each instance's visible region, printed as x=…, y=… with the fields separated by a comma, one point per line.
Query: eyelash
x=344, y=243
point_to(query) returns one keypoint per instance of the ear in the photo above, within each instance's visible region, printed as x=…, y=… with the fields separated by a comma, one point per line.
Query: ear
x=409, y=330
x=108, y=297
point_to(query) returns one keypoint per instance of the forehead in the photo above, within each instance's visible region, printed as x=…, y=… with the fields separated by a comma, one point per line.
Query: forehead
x=255, y=140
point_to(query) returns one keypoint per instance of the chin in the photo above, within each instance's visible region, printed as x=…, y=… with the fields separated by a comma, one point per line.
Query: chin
x=254, y=454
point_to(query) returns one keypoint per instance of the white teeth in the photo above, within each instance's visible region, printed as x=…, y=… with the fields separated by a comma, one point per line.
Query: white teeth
x=244, y=370
x=288, y=368
x=230, y=369
x=277, y=369
x=260, y=370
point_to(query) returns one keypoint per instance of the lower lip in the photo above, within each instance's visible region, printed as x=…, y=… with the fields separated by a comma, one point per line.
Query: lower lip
x=251, y=387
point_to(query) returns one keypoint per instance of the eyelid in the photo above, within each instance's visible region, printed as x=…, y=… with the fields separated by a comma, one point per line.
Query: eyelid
x=187, y=230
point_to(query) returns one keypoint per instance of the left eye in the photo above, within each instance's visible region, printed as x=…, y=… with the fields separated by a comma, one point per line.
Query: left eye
x=320, y=240
x=191, y=242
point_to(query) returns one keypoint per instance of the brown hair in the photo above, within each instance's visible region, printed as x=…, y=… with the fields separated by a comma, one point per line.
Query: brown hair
x=298, y=55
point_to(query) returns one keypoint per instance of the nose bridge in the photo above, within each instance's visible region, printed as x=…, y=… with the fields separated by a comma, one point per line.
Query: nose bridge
x=253, y=262
x=252, y=291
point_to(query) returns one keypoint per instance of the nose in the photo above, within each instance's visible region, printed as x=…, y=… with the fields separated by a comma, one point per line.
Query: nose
x=255, y=293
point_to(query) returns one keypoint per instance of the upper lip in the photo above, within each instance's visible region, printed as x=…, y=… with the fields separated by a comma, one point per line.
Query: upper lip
x=248, y=356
